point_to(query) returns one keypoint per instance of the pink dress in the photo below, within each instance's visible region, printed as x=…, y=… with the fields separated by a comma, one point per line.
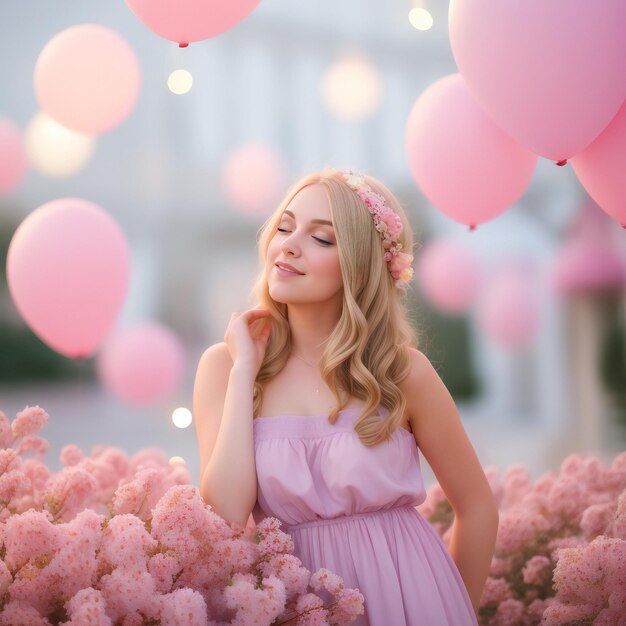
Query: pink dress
x=351, y=509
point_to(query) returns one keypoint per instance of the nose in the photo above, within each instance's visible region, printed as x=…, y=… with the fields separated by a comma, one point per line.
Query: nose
x=290, y=246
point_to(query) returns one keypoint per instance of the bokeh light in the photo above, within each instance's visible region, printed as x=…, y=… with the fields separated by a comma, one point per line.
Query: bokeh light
x=180, y=81
x=181, y=417
x=420, y=18
x=55, y=150
x=351, y=88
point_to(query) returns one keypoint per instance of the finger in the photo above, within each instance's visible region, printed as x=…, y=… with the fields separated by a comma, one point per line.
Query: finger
x=255, y=313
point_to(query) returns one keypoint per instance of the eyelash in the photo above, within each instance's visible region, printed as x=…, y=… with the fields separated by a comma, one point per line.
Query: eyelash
x=328, y=243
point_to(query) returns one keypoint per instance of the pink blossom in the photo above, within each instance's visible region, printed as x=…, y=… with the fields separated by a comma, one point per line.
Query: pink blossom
x=29, y=536
x=71, y=455
x=28, y=421
x=13, y=484
x=75, y=565
x=400, y=262
x=536, y=570
x=68, y=492
x=327, y=580
x=501, y=565
x=596, y=519
x=126, y=542
x=183, y=607
x=140, y=494
x=6, y=434
x=350, y=603
x=88, y=608
x=9, y=460
x=495, y=591
x=5, y=578
x=289, y=569
x=182, y=522
x=518, y=527
x=618, y=526
x=126, y=590
x=114, y=459
x=163, y=568
x=37, y=473
x=16, y=613
x=33, y=443
x=255, y=606
x=510, y=612
x=558, y=612
x=588, y=575
x=516, y=484
x=272, y=540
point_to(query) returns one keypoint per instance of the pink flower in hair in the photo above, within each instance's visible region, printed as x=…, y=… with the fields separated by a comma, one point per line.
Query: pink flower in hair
x=388, y=224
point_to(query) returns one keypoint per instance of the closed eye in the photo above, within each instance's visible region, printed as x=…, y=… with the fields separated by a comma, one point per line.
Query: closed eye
x=328, y=243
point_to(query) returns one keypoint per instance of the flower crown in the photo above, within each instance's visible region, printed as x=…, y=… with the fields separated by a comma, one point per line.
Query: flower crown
x=387, y=223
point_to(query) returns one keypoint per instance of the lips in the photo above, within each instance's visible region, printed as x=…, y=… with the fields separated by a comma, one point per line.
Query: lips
x=289, y=267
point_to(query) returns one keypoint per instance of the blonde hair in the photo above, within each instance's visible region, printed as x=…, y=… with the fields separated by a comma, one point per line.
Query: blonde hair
x=366, y=354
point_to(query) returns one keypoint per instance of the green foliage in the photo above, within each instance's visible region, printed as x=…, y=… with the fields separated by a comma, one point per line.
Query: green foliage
x=445, y=339
x=613, y=365
x=25, y=358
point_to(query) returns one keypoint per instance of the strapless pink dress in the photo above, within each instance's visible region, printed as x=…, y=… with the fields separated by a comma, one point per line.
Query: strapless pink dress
x=351, y=509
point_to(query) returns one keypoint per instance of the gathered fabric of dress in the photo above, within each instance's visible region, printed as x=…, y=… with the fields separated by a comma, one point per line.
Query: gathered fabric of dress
x=351, y=509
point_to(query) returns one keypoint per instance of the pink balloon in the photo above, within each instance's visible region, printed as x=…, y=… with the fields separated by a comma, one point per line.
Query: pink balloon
x=184, y=21
x=587, y=261
x=253, y=178
x=551, y=74
x=13, y=159
x=449, y=274
x=507, y=311
x=68, y=273
x=463, y=163
x=87, y=78
x=601, y=168
x=143, y=364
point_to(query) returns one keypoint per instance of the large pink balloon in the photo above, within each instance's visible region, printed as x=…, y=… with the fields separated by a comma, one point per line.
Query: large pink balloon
x=551, y=74
x=184, y=21
x=87, y=78
x=253, y=178
x=507, y=312
x=143, y=364
x=448, y=274
x=463, y=163
x=68, y=273
x=601, y=168
x=13, y=159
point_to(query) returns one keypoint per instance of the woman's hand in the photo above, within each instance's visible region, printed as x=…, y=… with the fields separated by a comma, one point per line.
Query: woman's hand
x=246, y=337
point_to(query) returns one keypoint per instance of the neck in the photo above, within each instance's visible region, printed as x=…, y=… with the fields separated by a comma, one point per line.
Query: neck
x=310, y=326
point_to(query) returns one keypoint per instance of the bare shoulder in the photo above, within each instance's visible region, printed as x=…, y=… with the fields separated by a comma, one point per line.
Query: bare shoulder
x=216, y=355
x=417, y=386
x=420, y=363
x=421, y=369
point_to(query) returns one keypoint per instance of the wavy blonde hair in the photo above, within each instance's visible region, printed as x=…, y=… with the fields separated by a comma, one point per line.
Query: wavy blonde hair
x=366, y=354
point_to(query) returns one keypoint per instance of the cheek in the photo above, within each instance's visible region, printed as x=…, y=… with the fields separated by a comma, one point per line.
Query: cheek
x=331, y=267
x=271, y=250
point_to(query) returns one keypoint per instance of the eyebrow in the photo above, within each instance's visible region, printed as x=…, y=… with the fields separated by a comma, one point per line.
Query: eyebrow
x=288, y=212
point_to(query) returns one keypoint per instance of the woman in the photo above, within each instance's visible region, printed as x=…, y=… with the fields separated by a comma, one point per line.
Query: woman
x=315, y=407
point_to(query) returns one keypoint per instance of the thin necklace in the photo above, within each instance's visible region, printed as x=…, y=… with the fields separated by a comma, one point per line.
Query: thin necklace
x=309, y=364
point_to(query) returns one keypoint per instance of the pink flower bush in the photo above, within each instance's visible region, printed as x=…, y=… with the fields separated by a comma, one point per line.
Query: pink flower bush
x=561, y=546
x=117, y=541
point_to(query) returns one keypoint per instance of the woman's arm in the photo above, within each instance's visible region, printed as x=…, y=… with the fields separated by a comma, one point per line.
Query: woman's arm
x=223, y=410
x=442, y=440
